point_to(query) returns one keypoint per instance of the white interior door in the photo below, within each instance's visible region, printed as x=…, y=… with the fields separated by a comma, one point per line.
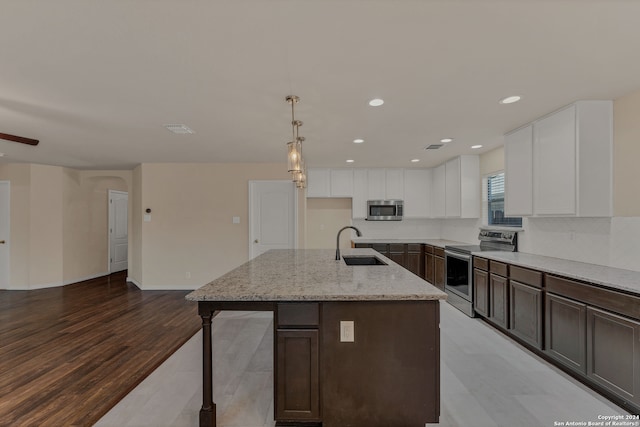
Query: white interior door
x=273, y=216
x=118, y=230
x=4, y=234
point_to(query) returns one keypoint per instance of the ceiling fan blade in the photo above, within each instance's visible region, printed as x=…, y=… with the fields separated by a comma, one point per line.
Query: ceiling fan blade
x=19, y=139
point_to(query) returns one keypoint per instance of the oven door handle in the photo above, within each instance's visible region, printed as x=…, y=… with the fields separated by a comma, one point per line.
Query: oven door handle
x=464, y=257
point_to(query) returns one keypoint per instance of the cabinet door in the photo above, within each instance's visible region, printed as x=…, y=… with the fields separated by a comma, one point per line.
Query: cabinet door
x=341, y=183
x=414, y=259
x=297, y=394
x=526, y=313
x=429, y=268
x=438, y=192
x=397, y=253
x=481, y=292
x=376, y=184
x=452, y=188
x=554, y=163
x=518, y=172
x=382, y=248
x=566, y=331
x=613, y=353
x=360, y=194
x=417, y=192
x=438, y=279
x=318, y=183
x=394, y=184
x=498, y=300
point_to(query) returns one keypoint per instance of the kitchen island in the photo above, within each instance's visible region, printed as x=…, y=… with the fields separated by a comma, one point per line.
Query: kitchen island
x=354, y=345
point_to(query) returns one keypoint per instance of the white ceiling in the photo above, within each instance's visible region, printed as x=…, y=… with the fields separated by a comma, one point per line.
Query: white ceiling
x=95, y=81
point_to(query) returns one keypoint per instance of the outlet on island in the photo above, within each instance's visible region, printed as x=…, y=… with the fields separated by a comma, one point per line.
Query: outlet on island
x=347, y=331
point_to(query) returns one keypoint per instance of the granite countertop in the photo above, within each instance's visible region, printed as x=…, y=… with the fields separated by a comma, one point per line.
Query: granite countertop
x=314, y=275
x=441, y=243
x=610, y=277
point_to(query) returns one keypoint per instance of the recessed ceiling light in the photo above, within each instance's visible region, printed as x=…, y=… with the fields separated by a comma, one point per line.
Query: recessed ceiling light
x=350, y=161
x=179, y=129
x=476, y=146
x=415, y=160
x=510, y=99
x=445, y=140
x=358, y=141
x=376, y=102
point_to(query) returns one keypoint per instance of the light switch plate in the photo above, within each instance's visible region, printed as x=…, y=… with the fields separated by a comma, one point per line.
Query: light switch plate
x=347, y=331
x=236, y=220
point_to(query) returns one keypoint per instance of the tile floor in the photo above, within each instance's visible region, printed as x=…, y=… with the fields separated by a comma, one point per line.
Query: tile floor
x=487, y=381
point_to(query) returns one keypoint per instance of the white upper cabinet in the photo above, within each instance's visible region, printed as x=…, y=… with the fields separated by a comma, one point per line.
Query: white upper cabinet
x=561, y=164
x=554, y=162
x=438, y=192
x=394, y=184
x=322, y=182
x=518, y=172
x=377, y=184
x=417, y=193
x=341, y=183
x=318, y=183
x=462, y=183
x=360, y=195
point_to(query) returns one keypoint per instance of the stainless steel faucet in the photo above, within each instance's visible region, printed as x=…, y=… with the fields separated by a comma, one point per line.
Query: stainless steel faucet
x=338, y=239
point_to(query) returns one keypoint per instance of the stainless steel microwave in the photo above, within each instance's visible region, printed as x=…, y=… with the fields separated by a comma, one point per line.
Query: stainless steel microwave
x=384, y=210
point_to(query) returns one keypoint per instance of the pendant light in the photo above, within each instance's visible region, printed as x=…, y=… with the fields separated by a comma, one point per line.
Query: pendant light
x=295, y=162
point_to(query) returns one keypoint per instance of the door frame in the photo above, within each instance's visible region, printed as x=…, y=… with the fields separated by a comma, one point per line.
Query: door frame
x=109, y=194
x=8, y=237
x=252, y=190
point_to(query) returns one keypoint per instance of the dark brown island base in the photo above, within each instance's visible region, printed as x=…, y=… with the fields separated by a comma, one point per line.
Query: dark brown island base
x=355, y=345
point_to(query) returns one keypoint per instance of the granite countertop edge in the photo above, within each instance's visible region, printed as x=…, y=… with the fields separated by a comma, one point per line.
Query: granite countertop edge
x=314, y=275
x=605, y=276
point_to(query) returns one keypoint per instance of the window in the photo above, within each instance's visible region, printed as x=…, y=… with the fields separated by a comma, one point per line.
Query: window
x=495, y=203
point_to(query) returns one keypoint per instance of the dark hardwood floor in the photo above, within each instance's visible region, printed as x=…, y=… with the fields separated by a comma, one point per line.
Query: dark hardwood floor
x=69, y=354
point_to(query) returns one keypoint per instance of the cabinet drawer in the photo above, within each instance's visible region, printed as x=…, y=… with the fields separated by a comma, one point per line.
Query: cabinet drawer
x=618, y=302
x=499, y=268
x=481, y=263
x=380, y=247
x=428, y=249
x=294, y=314
x=438, y=252
x=412, y=247
x=396, y=247
x=526, y=276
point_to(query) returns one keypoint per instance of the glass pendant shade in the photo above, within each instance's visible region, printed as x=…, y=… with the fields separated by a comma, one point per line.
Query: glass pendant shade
x=294, y=156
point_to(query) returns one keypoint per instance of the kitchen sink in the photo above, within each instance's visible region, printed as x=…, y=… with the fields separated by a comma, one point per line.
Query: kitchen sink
x=362, y=260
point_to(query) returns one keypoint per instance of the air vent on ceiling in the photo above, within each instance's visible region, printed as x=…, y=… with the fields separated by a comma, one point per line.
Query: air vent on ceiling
x=179, y=129
x=433, y=146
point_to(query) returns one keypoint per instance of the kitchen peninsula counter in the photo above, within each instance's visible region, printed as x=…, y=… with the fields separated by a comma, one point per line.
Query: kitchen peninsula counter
x=354, y=345
x=314, y=275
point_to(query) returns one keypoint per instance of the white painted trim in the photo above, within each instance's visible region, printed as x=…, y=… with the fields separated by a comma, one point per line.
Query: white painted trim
x=8, y=237
x=134, y=281
x=164, y=288
x=109, y=194
x=82, y=279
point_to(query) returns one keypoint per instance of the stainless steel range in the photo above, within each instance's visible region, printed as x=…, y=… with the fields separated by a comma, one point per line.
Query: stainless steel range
x=459, y=266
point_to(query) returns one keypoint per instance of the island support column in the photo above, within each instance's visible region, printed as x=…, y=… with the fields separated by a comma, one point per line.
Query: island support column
x=208, y=410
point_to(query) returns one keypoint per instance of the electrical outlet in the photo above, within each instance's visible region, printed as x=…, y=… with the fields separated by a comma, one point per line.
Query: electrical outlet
x=347, y=331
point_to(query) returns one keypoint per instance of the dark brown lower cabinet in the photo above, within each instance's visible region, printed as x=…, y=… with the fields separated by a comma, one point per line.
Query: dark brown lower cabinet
x=298, y=375
x=429, y=272
x=481, y=292
x=613, y=353
x=566, y=331
x=397, y=253
x=438, y=269
x=413, y=259
x=526, y=313
x=498, y=300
